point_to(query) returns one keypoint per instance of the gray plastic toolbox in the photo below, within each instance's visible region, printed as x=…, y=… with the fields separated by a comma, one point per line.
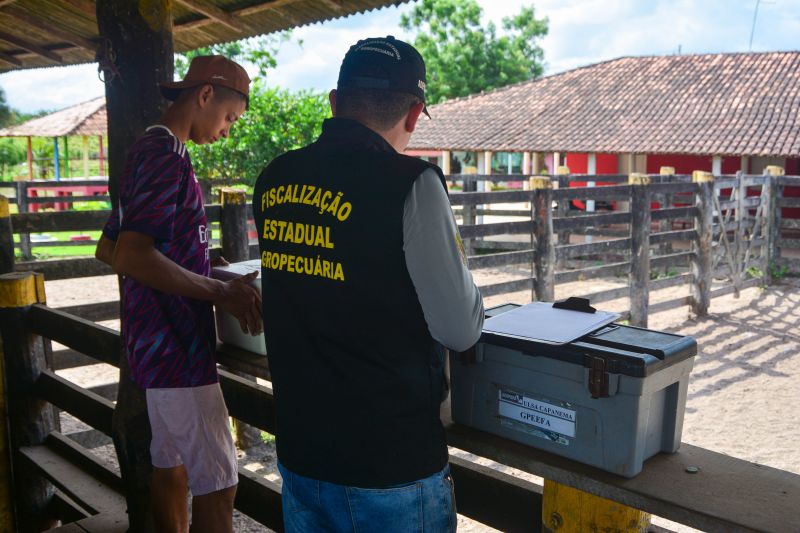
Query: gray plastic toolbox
x=610, y=398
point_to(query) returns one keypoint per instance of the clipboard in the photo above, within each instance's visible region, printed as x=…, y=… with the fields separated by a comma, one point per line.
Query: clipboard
x=559, y=323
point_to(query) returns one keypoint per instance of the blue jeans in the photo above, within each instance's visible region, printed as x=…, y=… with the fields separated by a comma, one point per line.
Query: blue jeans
x=426, y=505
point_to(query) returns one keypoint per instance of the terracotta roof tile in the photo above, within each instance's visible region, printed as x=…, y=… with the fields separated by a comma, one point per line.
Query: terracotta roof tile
x=87, y=118
x=722, y=104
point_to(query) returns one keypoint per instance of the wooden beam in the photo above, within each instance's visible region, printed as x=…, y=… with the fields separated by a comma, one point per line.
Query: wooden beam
x=214, y=13
x=84, y=6
x=275, y=5
x=335, y=4
x=30, y=47
x=11, y=60
x=35, y=22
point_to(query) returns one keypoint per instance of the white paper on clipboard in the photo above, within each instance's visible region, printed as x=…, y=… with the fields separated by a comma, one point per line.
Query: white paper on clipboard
x=540, y=322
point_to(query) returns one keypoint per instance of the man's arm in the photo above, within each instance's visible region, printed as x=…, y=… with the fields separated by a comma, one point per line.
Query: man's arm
x=451, y=302
x=105, y=250
x=135, y=256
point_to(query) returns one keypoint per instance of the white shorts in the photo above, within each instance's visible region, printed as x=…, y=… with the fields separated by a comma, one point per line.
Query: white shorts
x=191, y=427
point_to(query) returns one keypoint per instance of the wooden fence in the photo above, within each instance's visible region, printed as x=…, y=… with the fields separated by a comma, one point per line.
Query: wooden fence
x=731, y=230
x=26, y=202
x=55, y=478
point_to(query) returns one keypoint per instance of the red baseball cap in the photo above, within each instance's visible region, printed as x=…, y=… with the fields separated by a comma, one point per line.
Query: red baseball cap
x=216, y=70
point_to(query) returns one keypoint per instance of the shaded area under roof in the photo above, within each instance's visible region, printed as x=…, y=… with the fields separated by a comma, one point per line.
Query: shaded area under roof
x=87, y=118
x=721, y=104
x=48, y=33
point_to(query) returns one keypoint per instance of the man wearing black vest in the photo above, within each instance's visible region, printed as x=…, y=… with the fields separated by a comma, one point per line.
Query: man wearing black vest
x=364, y=283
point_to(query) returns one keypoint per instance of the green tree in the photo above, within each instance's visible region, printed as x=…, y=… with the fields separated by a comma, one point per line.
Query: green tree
x=260, y=51
x=5, y=110
x=463, y=57
x=277, y=121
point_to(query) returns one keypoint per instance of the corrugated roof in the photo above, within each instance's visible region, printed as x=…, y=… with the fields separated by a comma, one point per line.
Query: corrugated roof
x=48, y=33
x=723, y=104
x=87, y=118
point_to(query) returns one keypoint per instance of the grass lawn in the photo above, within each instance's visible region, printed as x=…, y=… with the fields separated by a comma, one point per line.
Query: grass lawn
x=48, y=252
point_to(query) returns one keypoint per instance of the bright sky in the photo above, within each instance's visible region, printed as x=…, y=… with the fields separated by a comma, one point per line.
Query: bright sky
x=582, y=32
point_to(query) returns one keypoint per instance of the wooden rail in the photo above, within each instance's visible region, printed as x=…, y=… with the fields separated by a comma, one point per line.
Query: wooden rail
x=607, y=235
x=727, y=494
x=494, y=498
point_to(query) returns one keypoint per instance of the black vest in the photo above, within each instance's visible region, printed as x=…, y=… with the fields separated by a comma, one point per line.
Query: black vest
x=357, y=377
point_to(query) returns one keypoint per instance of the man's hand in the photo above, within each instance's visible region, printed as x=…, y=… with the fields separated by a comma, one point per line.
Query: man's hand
x=219, y=262
x=243, y=301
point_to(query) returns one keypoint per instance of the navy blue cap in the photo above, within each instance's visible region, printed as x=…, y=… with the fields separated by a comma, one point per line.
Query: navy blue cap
x=384, y=63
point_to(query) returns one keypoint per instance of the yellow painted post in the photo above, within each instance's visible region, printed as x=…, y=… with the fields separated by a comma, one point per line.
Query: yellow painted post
x=774, y=170
x=569, y=510
x=23, y=422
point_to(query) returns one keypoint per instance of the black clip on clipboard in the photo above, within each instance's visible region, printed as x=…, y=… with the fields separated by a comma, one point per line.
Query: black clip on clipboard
x=574, y=303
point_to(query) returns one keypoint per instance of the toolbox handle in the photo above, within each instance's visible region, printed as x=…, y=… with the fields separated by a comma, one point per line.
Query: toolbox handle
x=573, y=303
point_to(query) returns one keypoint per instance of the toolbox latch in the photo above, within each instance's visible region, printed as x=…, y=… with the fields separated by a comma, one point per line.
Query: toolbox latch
x=598, y=377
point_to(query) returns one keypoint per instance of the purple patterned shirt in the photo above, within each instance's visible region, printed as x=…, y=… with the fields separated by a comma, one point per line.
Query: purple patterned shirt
x=170, y=340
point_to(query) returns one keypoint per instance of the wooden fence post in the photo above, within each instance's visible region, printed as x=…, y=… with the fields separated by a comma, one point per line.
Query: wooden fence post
x=569, y=510
x=772, y=250
x=468, y=214
x=30, y=419
x=703, y=258
x=544, y=252
x=6, y=238
x=236, y=248
x=666, y=225
x=22, y=207
x=639, y=275
x=562, y=210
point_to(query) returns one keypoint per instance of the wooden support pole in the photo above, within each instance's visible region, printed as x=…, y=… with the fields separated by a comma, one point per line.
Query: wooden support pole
x=141, y=42
x=716, y=165
x=701, y=264
x=6, y=238
x=544, y=251
x=22, y=207
x=30, y=160
x=235, y=248
x=85, y=143
x=100, y=155
x=569, y=510
x=66, y=156
x=639, y=275
x=56, y=160
x=30, y=419
x=446, y=162
x=772, y=214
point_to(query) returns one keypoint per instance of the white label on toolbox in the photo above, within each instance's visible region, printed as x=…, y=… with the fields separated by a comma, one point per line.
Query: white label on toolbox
x=537, y=413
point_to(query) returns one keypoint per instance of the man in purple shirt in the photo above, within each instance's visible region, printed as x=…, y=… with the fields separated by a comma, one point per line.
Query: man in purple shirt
x=158, y=242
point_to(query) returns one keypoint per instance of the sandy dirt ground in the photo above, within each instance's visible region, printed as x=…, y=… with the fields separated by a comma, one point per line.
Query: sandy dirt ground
x=743, y=391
